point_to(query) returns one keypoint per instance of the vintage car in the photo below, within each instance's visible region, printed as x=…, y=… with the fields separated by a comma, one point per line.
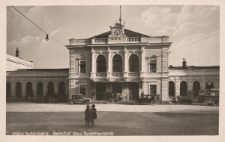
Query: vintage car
x=145, y=99
x=79, y=98
x=185, y=99
x=210, y=97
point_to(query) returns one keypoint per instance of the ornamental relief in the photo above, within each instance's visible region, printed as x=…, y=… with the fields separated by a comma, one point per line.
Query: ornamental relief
x=96, y=54
x=116, y=53
x=133, y=52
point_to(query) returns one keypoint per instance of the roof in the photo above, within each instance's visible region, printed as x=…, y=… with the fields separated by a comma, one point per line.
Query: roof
x=62, y=69
x=127, y=32
x=193, y=67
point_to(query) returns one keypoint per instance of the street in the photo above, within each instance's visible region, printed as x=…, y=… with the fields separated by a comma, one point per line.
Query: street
x=113, y=119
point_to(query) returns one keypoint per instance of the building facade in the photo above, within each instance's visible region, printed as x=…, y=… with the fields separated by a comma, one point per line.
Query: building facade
x=119, y=61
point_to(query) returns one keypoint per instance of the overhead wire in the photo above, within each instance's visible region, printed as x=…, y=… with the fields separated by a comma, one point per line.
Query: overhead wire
x=35, y=24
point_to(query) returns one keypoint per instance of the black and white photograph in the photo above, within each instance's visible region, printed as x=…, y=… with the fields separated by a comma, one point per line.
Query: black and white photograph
x=120, y=69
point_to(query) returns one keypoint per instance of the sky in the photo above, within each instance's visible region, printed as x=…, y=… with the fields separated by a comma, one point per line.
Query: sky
x=193, y=30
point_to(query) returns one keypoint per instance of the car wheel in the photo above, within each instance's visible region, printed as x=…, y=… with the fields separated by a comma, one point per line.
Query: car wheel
x=71, y=102
x=215, y=103
x=152, y=103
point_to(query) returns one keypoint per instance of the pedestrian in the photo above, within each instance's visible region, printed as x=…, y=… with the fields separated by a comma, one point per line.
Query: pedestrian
x=93, y=115
x=142, y=94
x=87, y=116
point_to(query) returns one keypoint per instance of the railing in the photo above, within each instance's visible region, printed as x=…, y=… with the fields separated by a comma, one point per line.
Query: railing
x=117, y=74
x=101, y=74
x=101, y=40
x=133, y=39
x=134, y=74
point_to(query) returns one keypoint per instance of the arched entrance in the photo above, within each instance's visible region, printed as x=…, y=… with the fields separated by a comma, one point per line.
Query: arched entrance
x=8, y=89
x=50, y=89
x=134, y=63
x=171, y=88
x=100, y=91
x=209, y=85
x=196, y=87
x=183, y=88
x=18, y=89
x=101, y=63
x=40, y=91
x=29, y=90
x=117, y=63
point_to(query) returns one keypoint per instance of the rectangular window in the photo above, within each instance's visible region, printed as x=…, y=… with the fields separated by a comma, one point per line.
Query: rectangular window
x=83, y=89
x=152, y=65
x=82, y=66
x=153, y=89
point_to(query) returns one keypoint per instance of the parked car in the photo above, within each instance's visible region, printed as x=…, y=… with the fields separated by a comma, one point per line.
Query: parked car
x=147, y=99
x=79, y=98
x=185, y=99
x=209, y=96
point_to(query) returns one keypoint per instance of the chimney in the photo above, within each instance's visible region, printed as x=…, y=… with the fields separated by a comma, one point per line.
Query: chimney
x=184, y=63
x=17, y=52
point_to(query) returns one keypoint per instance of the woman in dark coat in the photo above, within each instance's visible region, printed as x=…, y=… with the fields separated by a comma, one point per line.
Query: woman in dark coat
x=87, y=115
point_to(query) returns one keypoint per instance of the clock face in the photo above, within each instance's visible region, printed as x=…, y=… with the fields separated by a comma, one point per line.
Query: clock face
x=117, y=32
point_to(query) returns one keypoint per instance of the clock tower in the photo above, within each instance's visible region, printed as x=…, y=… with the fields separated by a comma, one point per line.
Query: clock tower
x=117, y=32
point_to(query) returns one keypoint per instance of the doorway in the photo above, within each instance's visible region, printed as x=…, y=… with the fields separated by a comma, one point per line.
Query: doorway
x=133, y=90
x=100, y=91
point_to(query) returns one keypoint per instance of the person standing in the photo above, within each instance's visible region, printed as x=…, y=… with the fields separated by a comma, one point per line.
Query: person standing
x=93, y=115
x=87, y=115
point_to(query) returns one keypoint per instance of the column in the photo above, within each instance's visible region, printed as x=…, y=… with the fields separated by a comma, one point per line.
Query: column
x=93, y=69
x=142, y=61
x=125, y=62
x=203, y=82
x=109, y=63
x=177, y=87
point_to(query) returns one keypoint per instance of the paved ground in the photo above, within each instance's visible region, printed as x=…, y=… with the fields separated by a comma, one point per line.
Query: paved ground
x=113, y=119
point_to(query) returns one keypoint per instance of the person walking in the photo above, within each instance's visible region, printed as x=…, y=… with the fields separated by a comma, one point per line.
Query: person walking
x=93, y=115
x=87, y=115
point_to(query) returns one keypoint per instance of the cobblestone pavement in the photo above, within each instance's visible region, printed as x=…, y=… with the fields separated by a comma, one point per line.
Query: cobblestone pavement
x=63, y=107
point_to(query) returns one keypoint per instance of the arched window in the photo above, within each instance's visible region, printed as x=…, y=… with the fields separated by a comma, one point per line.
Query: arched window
x=8, y=89
x=153, y=64
x=117, y=63
x=183, y=88
x=61, y=88
x=50, y=89
x=29, y=90
x=134, y=63
x=40, y=89
x=18, y=89
x=171, y=88
x=101, y=64
x=196, y=87
x=209, y=85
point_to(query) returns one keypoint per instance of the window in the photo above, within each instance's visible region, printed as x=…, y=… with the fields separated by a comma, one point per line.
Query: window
x=133, y=63
x=152, y=65
x=171, y=88
x=117, y=63
x=153, y=89
x=83, y=89
x=101, y=64
x=183, y=88
x=82, y=66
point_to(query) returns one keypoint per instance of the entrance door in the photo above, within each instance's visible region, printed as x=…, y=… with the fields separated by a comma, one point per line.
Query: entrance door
x=116, y=88
x=152, y=89
x=133, y=90
x=100, y=90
